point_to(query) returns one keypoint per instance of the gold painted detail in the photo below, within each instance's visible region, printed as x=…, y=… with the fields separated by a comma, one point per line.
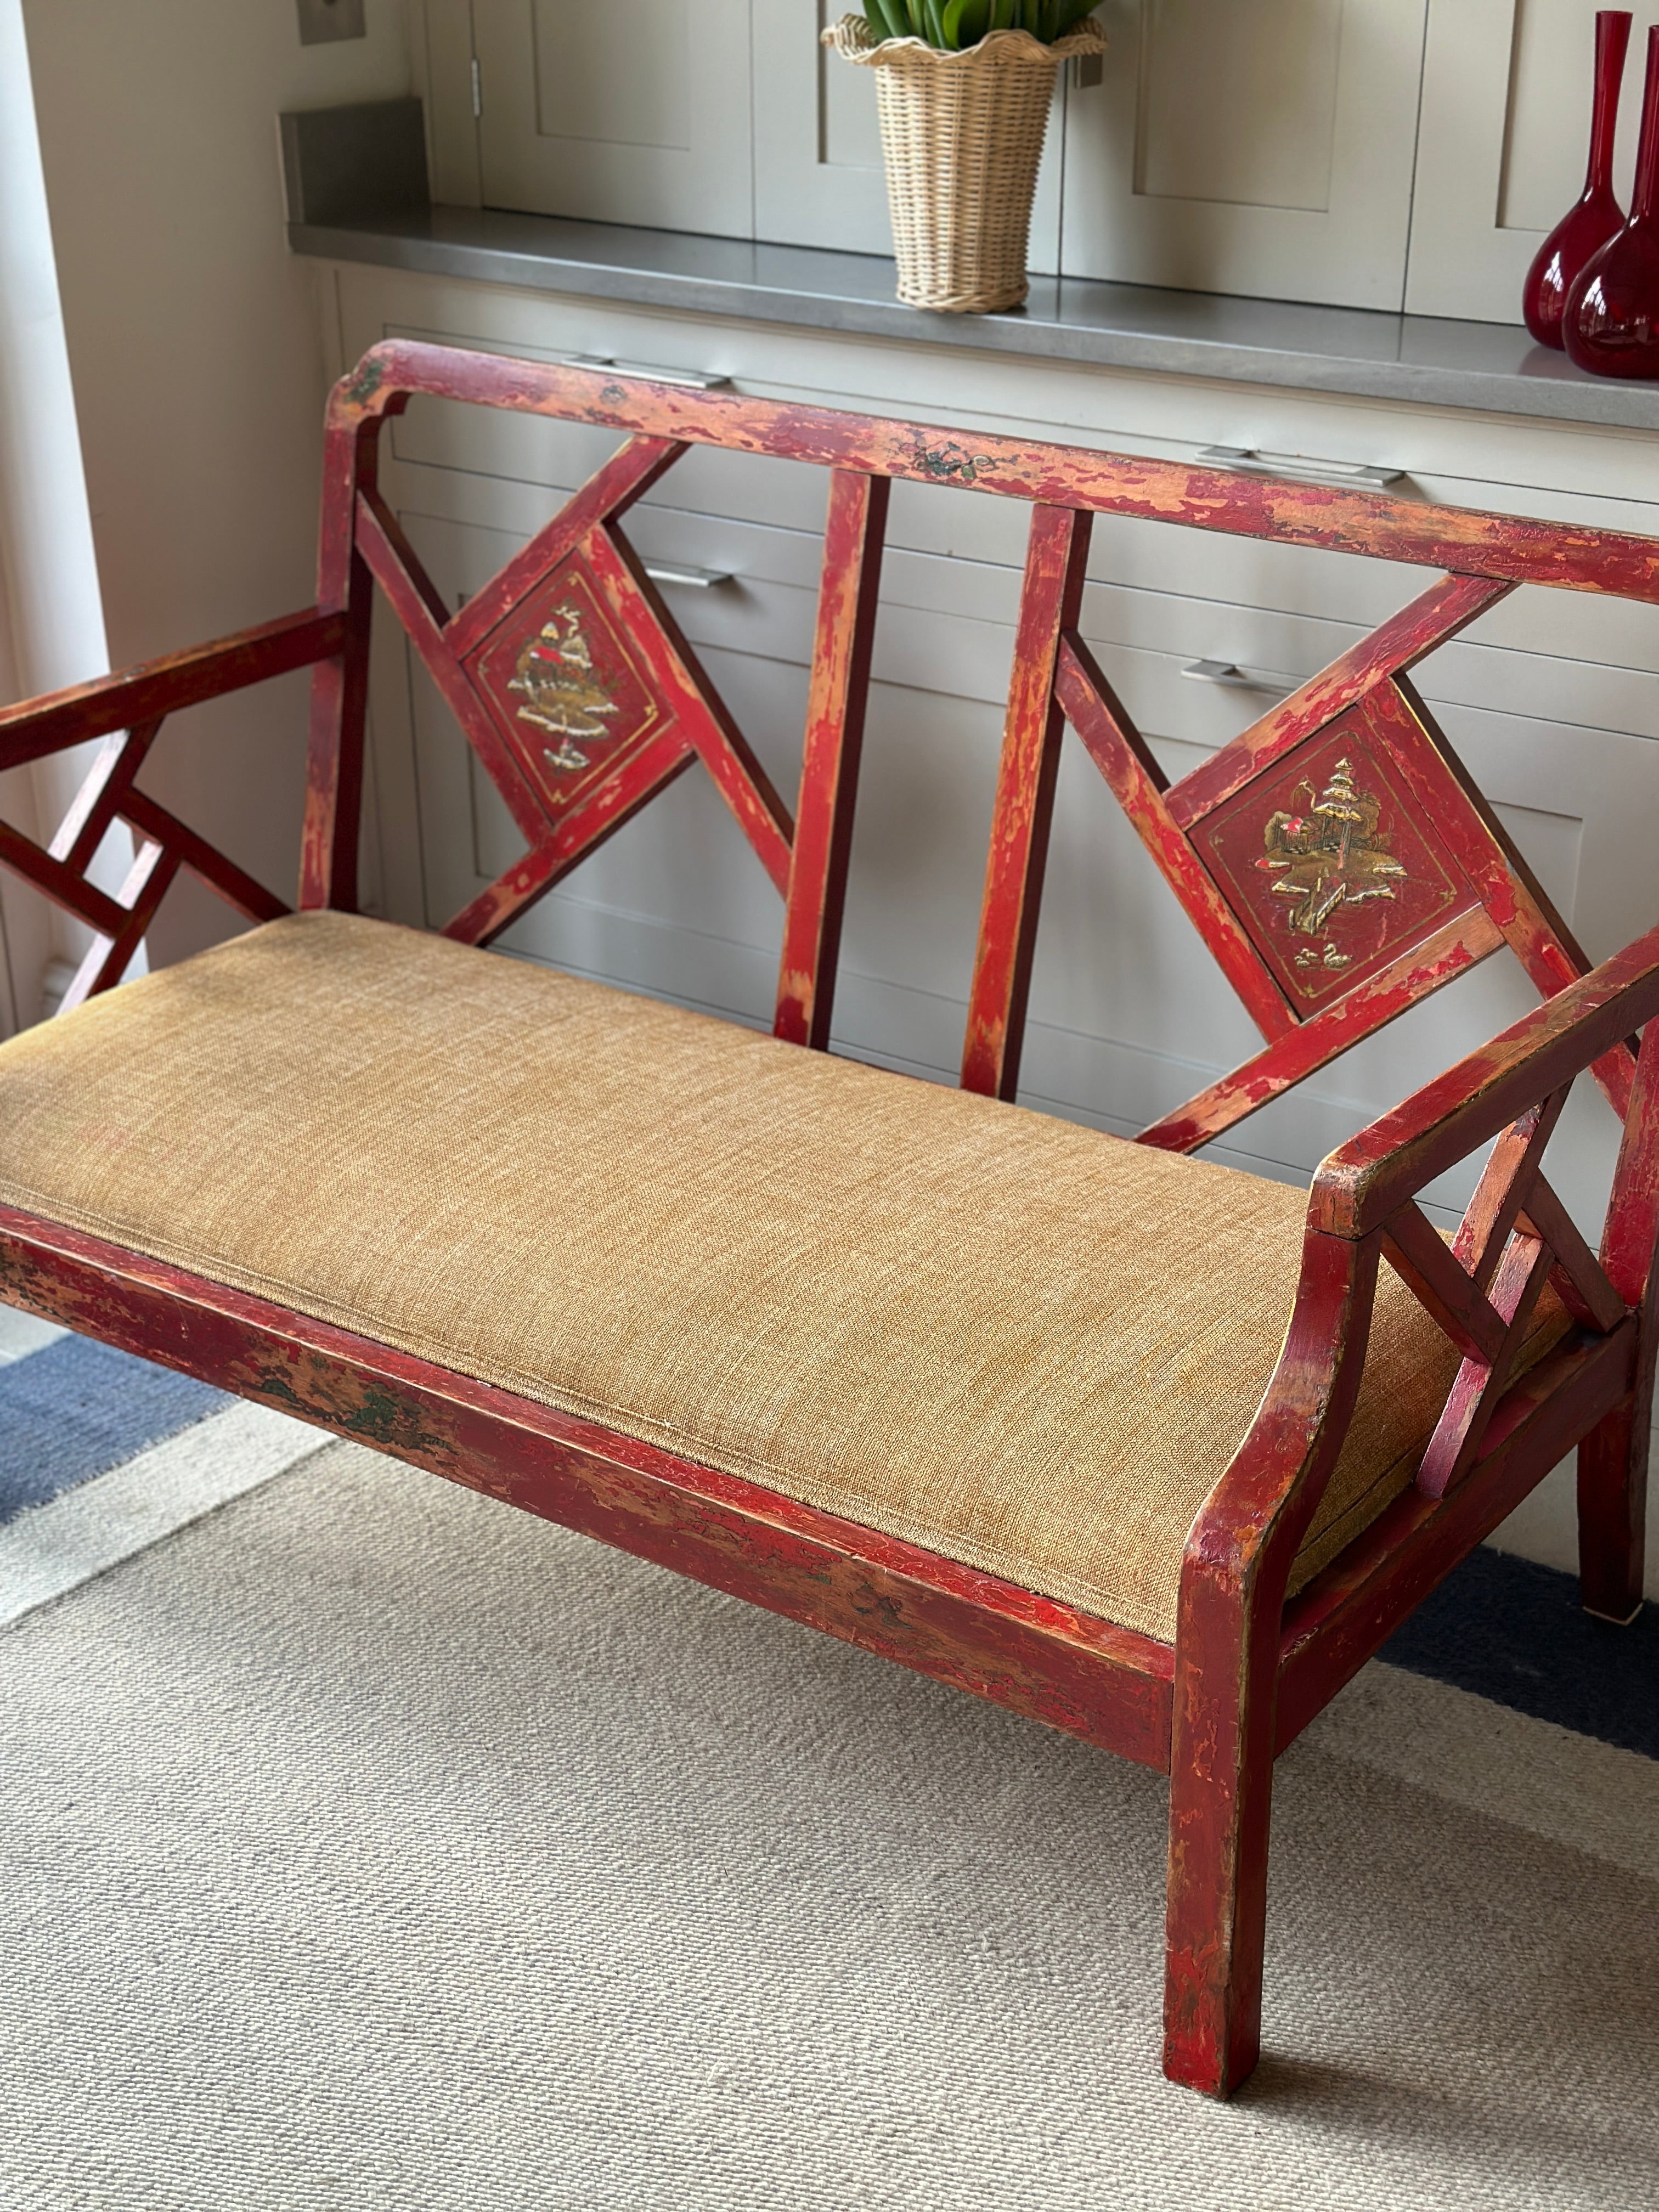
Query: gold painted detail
x=1330, y=857
x=556, y=678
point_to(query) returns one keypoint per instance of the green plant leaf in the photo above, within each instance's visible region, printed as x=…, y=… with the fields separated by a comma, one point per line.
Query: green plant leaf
x=966, y=22
x=1003, y=13
x=881, y=24
x=935, y=21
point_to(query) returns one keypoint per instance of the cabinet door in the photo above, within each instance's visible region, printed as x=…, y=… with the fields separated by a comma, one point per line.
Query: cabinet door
x=1506, y=102
x=818, y=174
x=1253, y=146
x=635, y=111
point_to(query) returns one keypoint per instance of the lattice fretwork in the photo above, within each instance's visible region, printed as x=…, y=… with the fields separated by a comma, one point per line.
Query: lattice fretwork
x=575, y=685
x=1337, y=859
x=583, y=700
x=1483, y=1288
x=126, y=713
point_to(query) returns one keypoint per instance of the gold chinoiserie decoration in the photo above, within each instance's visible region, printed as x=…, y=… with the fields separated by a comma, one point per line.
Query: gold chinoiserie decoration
x=1330, y=857
x=563, y=695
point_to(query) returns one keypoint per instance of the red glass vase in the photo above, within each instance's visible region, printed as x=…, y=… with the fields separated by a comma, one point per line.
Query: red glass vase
x=1593, y=219
x=1611, y=325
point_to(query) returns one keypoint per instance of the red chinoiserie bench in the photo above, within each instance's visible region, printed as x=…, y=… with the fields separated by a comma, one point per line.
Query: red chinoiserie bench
x=1009, y=1400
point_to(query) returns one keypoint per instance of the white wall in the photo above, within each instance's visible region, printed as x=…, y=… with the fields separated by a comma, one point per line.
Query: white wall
x=195, y=341
x=53, y=617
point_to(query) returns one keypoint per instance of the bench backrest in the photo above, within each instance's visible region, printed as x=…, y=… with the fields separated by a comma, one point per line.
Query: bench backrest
x=1337, y=859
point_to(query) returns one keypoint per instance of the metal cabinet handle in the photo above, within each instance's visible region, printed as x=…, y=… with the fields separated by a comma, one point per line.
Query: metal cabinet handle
x=1231, y=677
x=682, y=572
x=698, y=379
x=1348, y=476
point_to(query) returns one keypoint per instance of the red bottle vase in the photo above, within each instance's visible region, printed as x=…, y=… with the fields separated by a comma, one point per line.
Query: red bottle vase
x=1596, y=216
x=1611, y=324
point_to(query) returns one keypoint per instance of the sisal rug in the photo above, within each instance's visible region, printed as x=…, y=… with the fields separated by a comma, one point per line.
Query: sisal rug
x=368, y=1847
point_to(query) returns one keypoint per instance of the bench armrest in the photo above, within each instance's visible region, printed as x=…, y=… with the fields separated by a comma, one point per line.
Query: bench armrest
x=51, y=724
x=1261, y=1507
x=126, y=710
x=1370, y=1178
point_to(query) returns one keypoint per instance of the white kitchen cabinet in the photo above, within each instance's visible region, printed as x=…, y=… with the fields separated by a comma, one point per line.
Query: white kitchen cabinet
x=1505, y=135
x=1254, y=146
x=1381, y=154
x=636, y=111
x=818, y=177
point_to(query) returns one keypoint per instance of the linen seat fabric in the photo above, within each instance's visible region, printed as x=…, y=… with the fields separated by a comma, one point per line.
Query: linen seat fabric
x=1025, y=1344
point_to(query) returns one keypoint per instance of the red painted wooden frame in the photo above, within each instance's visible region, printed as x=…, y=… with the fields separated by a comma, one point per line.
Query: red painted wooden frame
x=1338, y=861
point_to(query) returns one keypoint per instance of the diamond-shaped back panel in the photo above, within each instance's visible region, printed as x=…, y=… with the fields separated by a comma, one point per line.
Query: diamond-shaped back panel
x=1337, y=858
x=572, y=701
x=1330, y=869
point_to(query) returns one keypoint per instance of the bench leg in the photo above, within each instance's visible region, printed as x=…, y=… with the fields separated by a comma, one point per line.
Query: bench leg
x=1613, y=1490
x=1220, y=1796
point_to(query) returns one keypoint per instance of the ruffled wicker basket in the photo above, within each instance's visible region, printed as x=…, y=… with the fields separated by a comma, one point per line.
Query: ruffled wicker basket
x=963, y=135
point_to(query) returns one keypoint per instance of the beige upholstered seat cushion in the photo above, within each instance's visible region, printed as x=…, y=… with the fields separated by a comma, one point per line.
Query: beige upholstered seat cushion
x=1024, y=1344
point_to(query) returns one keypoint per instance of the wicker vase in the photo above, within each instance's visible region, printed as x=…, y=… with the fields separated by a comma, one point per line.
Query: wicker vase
x=963, y=135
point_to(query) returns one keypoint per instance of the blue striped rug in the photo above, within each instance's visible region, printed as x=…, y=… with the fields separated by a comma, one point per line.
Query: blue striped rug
x=1515, y=1633
x=71, y=1409
x=102, y=1455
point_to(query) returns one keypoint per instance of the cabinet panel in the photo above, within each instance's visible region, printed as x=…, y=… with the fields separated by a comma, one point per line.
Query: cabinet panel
x=1505, y=130
x=819, y=176
x=1263, y=149
x=1206, y=132
x=634, y=112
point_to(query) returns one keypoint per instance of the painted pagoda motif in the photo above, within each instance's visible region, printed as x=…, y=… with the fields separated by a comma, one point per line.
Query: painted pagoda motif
x=1330, y=857
x=563, y=692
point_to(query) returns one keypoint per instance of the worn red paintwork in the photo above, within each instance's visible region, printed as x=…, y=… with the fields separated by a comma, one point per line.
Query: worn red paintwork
x=1067, y=1668
x=1449, y=606
x=1406, y=853
x=1123, y=758
x=1349, y=1612
x=1020, y=819
x=855, y=530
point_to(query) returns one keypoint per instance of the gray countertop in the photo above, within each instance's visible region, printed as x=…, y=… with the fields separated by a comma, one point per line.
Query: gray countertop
x=1494, y=367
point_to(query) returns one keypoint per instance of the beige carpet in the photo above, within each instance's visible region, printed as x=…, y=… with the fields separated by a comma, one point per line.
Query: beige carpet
x=368, y=1845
